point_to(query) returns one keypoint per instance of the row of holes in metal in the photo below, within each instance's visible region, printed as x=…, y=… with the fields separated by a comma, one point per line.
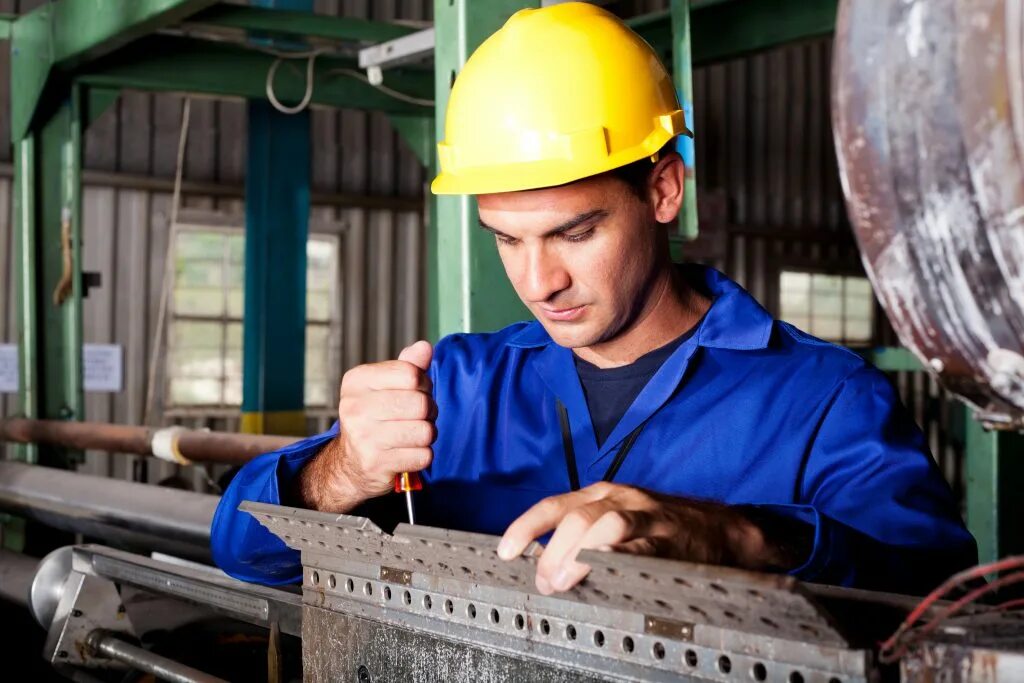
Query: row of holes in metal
x=729, y=615
x=723, y=665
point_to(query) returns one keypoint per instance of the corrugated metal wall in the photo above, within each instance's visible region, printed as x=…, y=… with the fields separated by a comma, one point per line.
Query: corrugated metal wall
x=769, y=197
x=126, y=224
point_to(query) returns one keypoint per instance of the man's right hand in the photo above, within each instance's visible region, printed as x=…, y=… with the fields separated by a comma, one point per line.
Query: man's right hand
x=386, y=413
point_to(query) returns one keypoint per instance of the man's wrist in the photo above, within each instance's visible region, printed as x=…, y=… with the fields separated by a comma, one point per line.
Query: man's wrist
x=323, y=483
x=767, y=541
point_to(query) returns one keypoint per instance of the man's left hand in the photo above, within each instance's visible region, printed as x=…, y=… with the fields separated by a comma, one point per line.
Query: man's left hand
x=619, y=518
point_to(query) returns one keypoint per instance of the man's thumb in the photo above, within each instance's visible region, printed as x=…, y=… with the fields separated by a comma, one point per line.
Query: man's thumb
x=419, y=354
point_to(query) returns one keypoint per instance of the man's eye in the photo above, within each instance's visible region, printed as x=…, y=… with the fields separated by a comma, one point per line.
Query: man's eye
x=580, y=236
x=505, y=240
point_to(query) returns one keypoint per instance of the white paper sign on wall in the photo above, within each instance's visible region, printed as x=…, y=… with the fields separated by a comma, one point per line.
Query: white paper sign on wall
x=102, y=367
x=8, y=369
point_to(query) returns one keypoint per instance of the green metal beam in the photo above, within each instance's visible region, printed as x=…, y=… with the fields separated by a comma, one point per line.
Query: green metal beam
x=67, y=33
x=299, y=24
x=169, y=63
x=726, y=29
x=893, y=359
x=473, y=293
x=418, y=133
x=995, y=508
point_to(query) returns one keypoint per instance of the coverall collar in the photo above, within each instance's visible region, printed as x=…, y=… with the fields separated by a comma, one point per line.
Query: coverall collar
x=735, y=321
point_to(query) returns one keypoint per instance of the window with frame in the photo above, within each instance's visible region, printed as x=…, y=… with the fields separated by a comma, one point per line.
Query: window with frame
x=837, y=308
x=204, y=341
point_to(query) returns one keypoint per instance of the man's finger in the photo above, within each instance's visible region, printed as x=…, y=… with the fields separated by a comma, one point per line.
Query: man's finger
x=607, y=527
x=408, y=459
x=390, y=374
x=537, y=521
x=405, y=434
x=397, y=404
x=419, y=354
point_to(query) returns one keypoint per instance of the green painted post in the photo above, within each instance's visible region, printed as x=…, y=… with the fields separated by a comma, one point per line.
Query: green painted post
x=49, y=272
x=683, y=72
x=995, y=476
x=472, y=291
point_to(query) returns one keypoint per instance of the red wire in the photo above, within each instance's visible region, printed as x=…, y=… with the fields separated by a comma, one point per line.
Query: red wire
x=970, y=597
x=1010, y=604
x=958, y=579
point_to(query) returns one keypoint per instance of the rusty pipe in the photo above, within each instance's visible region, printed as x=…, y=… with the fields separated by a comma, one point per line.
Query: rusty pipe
x=176, y=444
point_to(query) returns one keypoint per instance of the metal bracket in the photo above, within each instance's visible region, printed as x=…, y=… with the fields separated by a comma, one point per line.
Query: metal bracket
x=411, y=48
x=88, y=604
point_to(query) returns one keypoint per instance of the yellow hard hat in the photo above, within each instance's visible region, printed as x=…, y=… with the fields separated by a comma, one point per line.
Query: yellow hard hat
x=557, y=94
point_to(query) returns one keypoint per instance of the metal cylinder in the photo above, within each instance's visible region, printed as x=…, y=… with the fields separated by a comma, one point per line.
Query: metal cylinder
x=16, y=574
x=136, y=657
x=193, y=445
x=137, y=515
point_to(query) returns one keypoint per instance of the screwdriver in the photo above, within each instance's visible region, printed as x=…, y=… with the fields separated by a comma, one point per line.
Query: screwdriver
x=407, y=482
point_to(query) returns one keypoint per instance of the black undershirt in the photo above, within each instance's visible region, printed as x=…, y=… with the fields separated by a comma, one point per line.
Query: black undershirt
x=610, y=391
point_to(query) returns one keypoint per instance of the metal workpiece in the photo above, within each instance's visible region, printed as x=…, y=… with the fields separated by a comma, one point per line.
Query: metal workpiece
x=136, y=514
x=423, y=588
x=927, y=104
x=192, y=445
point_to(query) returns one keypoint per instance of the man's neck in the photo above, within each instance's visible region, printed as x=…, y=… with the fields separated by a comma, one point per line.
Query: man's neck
x=671, y=309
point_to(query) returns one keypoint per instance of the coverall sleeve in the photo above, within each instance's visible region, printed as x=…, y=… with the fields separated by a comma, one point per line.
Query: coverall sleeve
x=883, y=516
x=241, y=546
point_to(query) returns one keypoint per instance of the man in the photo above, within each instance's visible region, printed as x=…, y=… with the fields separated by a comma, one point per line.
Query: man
x=652, y=409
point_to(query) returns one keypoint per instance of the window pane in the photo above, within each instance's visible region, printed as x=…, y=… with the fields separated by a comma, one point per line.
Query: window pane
x=204, y=301
x=830, y=329
x=195, y=335
x=236, y=276
x=858, y=330
x=859, y=286
x=199, y=274
x=185, y=362
x=827, y=284
x=233, y=392
x=236, y=248
x=315, y=392
x=199, y=245
x=236, y=303
x=827, y=304
x=234, y=340
x=233, y=363
x=194, y=391
x=797, y=282
x=793, y=302
x=318, y=306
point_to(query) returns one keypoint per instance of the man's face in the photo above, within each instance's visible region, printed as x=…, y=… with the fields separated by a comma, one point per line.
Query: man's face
x=580, y=256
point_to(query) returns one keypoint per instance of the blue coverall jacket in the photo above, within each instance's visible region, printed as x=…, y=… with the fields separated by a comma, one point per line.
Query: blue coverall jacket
x=747, y=411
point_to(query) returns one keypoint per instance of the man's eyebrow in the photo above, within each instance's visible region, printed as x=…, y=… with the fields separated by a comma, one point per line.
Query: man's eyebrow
x=557, y=230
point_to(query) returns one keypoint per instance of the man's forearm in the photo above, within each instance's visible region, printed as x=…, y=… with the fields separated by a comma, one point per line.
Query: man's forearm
x=323, y=484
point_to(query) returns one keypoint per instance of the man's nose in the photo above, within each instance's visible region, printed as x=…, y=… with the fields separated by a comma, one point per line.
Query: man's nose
x=544, y=275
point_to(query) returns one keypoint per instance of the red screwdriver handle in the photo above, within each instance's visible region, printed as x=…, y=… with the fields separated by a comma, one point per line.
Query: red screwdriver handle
x=407, y=481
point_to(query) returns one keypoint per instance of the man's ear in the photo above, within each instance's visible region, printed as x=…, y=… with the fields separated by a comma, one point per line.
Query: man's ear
x=666, y=186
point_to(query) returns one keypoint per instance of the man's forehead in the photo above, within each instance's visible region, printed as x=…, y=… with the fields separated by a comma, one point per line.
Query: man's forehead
x=564, y=201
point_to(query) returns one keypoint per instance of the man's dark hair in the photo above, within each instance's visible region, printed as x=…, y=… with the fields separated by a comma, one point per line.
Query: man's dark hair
x=635, y=174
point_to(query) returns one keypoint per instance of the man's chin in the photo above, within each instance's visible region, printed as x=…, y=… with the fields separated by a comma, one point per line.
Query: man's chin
x=570, y=335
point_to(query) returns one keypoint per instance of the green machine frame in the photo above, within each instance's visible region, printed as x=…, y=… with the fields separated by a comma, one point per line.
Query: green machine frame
x=70, y=59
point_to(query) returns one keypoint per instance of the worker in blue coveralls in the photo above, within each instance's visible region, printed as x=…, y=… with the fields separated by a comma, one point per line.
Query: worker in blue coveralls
x=650, y=408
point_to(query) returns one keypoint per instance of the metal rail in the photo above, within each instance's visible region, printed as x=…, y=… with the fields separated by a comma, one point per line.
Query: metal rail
x=127, y=512
x=163, y=668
